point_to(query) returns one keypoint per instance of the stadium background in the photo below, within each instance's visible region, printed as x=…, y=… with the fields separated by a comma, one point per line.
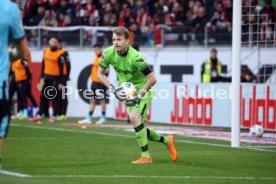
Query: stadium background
x=65, y=152
x=174, y=36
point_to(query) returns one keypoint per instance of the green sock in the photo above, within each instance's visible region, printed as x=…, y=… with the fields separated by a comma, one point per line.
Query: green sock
x=154, y=136
x=141, y=135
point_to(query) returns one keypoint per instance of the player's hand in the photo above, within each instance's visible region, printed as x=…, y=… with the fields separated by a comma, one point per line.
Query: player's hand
x=118, y=92
x=133, y=101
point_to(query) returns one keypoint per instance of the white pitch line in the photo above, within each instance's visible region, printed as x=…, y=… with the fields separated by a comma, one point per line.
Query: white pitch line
x=260, y=146
x=157, y=177
x=259, y=149
x=128, y=136
x=72, y=130
x=204, y=143
x=10, y=173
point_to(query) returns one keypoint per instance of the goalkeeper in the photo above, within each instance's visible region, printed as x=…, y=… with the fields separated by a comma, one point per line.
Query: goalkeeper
x=130, y=66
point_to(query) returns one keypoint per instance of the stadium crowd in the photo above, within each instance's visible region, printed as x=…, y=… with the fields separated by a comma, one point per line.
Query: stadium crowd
x=145, y=17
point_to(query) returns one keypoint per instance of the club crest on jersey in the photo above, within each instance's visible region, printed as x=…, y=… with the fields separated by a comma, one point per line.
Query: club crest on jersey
x=102, y=57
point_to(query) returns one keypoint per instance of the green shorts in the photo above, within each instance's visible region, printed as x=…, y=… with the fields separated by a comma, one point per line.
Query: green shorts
x=143, y=105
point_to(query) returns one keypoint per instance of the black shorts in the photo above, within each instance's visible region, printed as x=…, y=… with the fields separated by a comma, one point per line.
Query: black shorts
x=99, y=91
x=4, y=117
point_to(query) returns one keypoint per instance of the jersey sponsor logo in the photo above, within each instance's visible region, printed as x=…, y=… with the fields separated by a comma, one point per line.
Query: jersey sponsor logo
x=126, y=72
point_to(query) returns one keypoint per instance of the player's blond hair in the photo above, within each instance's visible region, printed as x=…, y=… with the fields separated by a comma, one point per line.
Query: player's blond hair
x=120, y=30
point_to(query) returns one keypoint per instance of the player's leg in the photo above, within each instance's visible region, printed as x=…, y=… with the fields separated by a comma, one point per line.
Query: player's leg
x=56, y=102
x=136, y=113
x=89, y=117
x=12, y=91
x=64, y=104
x=31, y=98
x=44, y=103
x=4, y=123
x=151, y=133
x=154, y=135
x=43, y=107
x=103, y=107
x=92, y=105
x=168, y=141
x=141, y=135
x=22, y=89
x=64, y=101
x=102, y=99
x=30, y=95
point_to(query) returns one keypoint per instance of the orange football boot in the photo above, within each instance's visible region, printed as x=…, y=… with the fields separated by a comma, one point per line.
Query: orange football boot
x=143, y=160
x=171, y=148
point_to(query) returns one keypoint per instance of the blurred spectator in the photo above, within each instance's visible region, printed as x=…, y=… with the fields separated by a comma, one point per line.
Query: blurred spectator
x=66, y=8
x=218, y=24
x=198, y=24
x=228, y=9
x=93, y=14
x=135, y=34
x=82, y=14
x=184, y=18
x=142, y=18
x=48, y=20
x=246, y=74
x=64, y=20
x=191, y=13
x=124, y=16
x=109, y=20
x=178, y=15
x=33, y=40
x=40, y=15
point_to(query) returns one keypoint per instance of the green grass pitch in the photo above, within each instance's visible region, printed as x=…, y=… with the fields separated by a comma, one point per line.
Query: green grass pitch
x=55, y=153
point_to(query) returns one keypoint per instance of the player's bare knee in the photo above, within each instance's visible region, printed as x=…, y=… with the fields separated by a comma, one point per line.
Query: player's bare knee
x=134, y=118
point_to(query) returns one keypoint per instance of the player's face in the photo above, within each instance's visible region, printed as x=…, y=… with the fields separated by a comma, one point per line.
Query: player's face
x=53, y=43
x=98, y=51
x=120, y=42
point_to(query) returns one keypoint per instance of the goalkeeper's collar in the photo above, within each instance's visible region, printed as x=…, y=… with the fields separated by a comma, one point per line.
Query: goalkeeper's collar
x=125, y=53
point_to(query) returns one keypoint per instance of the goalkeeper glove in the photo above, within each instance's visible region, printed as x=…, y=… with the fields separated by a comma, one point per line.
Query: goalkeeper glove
x=132, y=102
x=118, y=92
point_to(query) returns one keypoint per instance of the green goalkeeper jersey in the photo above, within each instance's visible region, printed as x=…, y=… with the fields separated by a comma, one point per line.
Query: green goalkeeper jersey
x=129, y=68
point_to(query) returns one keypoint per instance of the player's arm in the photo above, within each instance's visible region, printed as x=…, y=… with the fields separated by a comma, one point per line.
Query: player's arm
x=22, y=47
x=61, y=62
x=151, y=81
x=41, y=83
x=25, y=63
x=102, y=76
x=42, y=70
x=144, y=68
x=18, y=35
x=118, y=92
x=103, y=66
x=68, y=63
x=20, y=50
